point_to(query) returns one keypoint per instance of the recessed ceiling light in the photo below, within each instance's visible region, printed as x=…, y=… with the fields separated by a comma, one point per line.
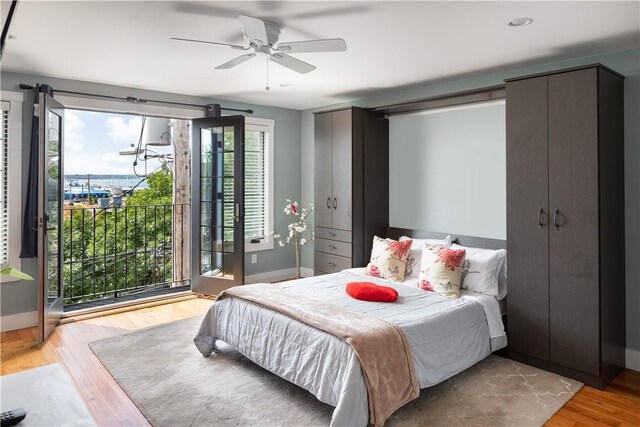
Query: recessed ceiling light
x=520, y=22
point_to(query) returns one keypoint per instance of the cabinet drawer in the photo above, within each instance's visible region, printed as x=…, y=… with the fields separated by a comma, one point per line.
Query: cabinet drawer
x=331, y=263
x=333, y=247
x=333, y=234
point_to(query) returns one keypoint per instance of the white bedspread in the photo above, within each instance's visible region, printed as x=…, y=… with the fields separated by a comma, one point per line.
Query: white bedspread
x=446, y=336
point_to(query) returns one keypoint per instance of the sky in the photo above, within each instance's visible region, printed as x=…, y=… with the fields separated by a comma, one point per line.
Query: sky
x=92, y=142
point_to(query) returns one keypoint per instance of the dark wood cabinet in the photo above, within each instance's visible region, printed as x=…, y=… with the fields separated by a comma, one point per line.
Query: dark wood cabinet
x=351, y=186
x=565, y=222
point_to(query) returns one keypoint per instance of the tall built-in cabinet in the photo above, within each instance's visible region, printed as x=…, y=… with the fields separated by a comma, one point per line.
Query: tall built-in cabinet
x=351, y=186
x=565, y=222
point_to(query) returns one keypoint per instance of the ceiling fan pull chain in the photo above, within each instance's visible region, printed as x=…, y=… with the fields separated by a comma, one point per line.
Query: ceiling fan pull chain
x=267, y=88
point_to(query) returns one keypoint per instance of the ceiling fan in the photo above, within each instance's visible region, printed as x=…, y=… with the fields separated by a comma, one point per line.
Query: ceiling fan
x=262, y=37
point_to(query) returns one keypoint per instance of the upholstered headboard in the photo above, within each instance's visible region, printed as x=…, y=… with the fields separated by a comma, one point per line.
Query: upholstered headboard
x=471, y=241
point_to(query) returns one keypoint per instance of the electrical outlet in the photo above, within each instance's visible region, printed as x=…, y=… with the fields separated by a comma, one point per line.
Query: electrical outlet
x=254, y=258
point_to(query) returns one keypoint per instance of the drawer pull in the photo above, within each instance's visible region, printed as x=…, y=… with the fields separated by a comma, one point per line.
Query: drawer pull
x=332, y=264
x=332, y=234
x=333, y=247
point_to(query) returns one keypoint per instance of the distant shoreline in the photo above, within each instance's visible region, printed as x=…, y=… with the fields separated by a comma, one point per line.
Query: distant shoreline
x=99, y=176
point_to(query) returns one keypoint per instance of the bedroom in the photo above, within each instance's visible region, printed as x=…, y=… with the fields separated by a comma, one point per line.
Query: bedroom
x=127, y=52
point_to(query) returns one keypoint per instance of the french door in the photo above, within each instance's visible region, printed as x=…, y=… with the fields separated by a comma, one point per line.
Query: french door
x=50, y=214
x=218, y=203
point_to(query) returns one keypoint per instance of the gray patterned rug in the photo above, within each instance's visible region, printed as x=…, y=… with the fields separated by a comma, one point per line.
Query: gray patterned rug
x=173, y=385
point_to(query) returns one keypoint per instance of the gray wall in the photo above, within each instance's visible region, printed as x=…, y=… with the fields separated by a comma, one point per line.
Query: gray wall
x=447, y=171
x=626, y=62
x=21, y=296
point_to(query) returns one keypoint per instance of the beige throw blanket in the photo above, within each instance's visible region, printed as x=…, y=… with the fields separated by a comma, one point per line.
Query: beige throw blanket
x=381, y=347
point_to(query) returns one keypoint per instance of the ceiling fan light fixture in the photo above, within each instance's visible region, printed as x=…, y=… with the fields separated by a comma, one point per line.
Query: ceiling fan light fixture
x=520, y=22
x=263, y=38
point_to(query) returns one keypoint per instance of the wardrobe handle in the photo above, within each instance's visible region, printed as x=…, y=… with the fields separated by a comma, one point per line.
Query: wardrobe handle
x=555, y=218
x=335, y=203
x=540, y=211
x=328, y=202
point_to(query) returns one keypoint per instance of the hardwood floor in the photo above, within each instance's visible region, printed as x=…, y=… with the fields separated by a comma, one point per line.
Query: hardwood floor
x=68, y=345
x=618, y=405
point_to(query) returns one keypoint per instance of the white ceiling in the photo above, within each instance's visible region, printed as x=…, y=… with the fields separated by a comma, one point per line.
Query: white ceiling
x=390, y=44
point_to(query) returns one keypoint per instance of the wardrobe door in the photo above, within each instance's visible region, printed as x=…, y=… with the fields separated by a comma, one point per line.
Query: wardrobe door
x=573, y=236
x=322, y=183
x=528, y=217
x=342, y=169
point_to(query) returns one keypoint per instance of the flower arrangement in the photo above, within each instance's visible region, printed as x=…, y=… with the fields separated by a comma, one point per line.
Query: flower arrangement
x=298, y=225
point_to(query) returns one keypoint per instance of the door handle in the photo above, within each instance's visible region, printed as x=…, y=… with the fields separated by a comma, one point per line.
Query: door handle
x=237, y=213
x=335, y=203
x=328, y=202
x=556, y=212
x=540, y=212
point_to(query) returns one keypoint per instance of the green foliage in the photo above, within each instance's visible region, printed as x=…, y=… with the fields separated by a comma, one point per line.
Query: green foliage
x=116, y=251
x=159, y=192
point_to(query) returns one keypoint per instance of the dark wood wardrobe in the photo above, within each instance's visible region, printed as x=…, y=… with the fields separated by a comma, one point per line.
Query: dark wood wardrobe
x=565, y=222
x=351, y=186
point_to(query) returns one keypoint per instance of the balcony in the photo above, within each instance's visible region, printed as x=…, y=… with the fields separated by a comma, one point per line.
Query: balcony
x=119, y=254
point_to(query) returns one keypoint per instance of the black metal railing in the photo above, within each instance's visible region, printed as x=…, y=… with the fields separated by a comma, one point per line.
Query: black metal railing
x=121, y=251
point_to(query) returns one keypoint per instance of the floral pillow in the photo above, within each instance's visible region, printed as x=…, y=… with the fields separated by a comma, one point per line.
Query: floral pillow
x=415, y=254
x=388, y=259
x=441, y=270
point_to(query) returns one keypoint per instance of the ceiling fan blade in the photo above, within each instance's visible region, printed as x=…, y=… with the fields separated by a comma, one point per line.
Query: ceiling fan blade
x=232, y=46
x=254, y=29
x=236, y=61
x=292, y=63
x=326, y=45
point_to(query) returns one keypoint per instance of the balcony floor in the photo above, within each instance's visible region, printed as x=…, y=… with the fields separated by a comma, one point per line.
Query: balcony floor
x=165, y=290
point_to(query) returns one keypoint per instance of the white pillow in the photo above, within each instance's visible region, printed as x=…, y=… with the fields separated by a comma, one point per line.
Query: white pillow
x=481, y=269
x=415, y=254
x=502, y=280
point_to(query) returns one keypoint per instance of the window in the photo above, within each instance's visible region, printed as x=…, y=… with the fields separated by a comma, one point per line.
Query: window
x=10, y=176
x=258, y=186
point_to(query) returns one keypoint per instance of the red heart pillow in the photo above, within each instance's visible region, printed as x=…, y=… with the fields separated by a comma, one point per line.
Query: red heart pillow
x=369, y=291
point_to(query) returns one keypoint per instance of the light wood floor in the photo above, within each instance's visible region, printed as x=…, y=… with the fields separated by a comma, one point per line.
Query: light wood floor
x=618, y=405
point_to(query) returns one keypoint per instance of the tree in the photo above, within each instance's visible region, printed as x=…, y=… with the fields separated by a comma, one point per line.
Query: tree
x=159, y=192
x=116, y=251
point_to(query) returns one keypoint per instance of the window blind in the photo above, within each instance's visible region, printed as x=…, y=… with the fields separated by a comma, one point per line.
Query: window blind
x=256, y=179
x=4, y=194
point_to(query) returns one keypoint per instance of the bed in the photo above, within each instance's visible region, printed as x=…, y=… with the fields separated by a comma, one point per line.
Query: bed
x=446, y=336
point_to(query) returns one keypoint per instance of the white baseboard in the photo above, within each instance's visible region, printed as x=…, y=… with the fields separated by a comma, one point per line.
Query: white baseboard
x=632, y=359
x=18, y=321
x=277, y=275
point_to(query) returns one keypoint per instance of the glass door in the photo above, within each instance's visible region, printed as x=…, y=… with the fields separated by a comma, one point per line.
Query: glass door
x=218, y=203
x=50, y=211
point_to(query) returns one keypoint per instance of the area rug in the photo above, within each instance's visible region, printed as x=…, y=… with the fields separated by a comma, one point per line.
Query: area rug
x=173, y=385
x=47, y=395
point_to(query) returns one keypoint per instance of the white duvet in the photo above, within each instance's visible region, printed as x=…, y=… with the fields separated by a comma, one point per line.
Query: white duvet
x=446, y=337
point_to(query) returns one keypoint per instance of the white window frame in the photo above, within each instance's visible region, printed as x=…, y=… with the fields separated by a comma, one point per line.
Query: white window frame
x=265, y=125
x=15, y=178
